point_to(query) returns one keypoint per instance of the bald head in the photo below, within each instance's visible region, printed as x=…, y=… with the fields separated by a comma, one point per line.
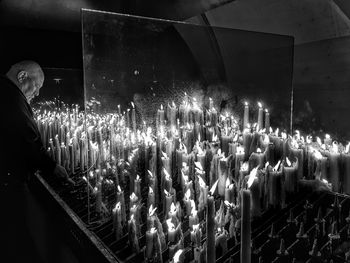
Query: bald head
x=28, y=77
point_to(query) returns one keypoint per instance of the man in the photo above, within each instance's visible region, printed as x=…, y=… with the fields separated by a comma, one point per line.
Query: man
x=23, y=150
x=22, y=153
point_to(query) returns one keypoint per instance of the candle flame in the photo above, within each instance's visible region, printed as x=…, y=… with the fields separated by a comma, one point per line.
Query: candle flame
x=161, y=106
x=245, y=167
x=327, y=136
x=151, y=210
x=201, y=181
x=259, y=104
x=188, y=194
x=172, y=208
x=171, y=226
x=318, y=140
x=325, y=181
x=117, y=207
x=150, y=190
x=153, y=230
x=177, y=256
x=246, y=103
x=213, y=188
x=277, y=166
x=228, y=182
x=214, y=138
x=266, y=110
x=317, y=155
x=133, y=196
x=150, y=173
x=284, y=135
x=252, y=176
x=167, y=175
x=132, y=104
x=195, y=227
x=240, y=150
x=258, y=150
x=198, y=165
x=294, y=144
x=335, y=147
x=309, y=139
x=347, y=148
x=288, y=162
x=270, y=130
x=138, y=178
x=166, y=192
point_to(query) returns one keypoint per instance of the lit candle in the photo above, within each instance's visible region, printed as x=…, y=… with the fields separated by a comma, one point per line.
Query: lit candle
x=346, y=169
x=150, y=240
x=133, y=238
x=256, y=159
x=137, y=186
x=196, y=235
x=171, y=231
x=133, y=117
x=193, y=218
x=260, y=117
x=245, y=116
x=117, y=221
x=210, y=225
x=334, y=166
x=291, y=176
x=221, y=240
x=245, y=227
x=187, y=201
x=267, y=120
x=229, y=191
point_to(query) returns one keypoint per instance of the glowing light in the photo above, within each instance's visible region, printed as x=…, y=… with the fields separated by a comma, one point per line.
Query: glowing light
x=132, y=104
x=246, y=103
x=252, y=177
x=171, y=226
x=150, y=191
x=153, y=230
x=277, y=166
x=240, y=150
x=259, y=104
x=213, y=188
x=177, y=256
x=167, y=175
x=198, y=165
x=228, y=182
x=188, y=194
x=288, y=162
x=117, y=207
x=172, y=208
x=258, y=150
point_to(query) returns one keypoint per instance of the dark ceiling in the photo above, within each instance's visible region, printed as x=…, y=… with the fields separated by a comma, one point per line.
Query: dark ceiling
x=65, y=14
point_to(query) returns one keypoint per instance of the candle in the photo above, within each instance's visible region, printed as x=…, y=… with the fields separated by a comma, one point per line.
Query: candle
x=117, y=221
x=346, y=170
x=254, y=187
x=196, y=235
x=229, y=191
x=245, y=116
x=171, y=231
x=256, y=159
x=238, y=161
x=121, y=200
x=150, y=240
x=334, y=162
x=133, y=239
x=187, y=201
x=221, y=240
x=151, y=200
x=193, y=218
x=222, y=176
x=133, y=117
x=210, y=225
x=291, y=176
x=137, y=187
x=267, y=120
x=245, y=227
x=260, y=117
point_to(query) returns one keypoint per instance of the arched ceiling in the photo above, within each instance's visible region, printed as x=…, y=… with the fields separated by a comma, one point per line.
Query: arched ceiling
x=306, y=20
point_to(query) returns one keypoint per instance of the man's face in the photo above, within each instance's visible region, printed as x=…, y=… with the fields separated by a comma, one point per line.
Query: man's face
x=31, y=87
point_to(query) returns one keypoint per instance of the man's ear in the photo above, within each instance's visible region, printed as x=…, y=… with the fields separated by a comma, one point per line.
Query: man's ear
x=22, y=75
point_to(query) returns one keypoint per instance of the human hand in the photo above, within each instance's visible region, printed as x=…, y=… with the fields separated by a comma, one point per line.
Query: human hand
x=60, y=172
